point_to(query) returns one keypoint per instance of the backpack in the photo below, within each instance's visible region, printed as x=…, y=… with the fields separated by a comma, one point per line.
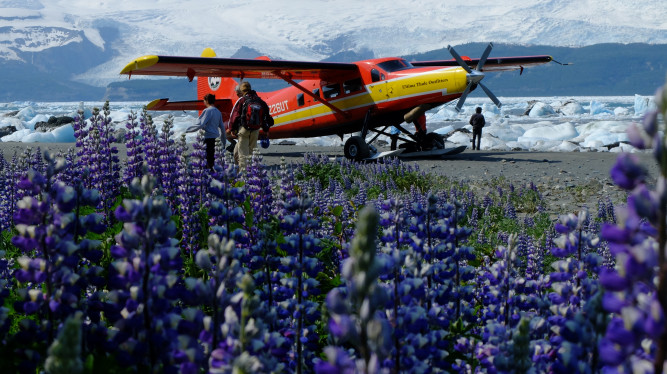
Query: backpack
x=253, y=113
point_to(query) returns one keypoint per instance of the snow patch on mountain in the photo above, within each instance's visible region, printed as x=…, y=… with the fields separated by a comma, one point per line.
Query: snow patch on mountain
x=313, y=30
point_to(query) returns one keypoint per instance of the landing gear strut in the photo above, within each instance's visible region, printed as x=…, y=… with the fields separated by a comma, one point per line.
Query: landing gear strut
x=356, y=147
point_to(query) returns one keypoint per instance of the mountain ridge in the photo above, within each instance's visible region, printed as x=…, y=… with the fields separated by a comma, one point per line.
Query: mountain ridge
x=315, y=30
x=600, y=70
x=78, y=47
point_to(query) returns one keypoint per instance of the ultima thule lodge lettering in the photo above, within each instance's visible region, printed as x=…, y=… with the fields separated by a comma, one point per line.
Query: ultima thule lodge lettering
x=424, y=83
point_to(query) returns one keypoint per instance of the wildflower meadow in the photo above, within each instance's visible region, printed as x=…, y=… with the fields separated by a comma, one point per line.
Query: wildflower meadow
x=155, y=264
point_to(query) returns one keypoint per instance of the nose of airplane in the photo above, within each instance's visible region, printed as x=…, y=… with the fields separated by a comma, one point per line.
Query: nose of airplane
x=460, y=78
x=474, y=77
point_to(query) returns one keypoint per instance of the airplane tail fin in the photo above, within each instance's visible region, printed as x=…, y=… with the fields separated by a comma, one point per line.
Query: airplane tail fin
x=222, y=88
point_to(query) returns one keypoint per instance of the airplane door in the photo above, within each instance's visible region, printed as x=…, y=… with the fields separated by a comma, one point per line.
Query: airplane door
x=311, y=103
x=380, y=90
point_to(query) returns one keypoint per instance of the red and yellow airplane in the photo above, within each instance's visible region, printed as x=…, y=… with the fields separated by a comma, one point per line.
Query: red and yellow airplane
x=328, y=98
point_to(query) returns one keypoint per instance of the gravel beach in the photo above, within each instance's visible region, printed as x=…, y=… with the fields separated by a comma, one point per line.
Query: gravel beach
x=567, y=180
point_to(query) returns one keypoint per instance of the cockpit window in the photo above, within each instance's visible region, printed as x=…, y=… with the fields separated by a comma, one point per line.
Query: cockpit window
x=395, y=65
x=375, y=75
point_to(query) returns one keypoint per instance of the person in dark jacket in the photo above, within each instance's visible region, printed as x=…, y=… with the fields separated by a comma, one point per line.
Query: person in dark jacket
x=247, y=138
x=210, y=120
x=477, y=121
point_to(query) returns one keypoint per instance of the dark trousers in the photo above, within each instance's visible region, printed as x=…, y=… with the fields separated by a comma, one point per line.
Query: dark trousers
x=210, y=152
x=476, y=136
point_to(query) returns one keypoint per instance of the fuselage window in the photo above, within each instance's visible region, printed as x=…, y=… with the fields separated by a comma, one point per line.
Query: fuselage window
x=331, y=91
x=353, y=85
x=300, y=100
x=375, y=75
x=395, y=65
x=316, y=92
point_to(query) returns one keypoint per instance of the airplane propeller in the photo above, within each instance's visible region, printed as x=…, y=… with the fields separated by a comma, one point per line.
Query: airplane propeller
x=474, y=77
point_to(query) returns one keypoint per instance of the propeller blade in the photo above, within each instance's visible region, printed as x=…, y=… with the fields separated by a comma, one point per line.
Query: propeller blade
x=459, y=59
x=474, y=76
x=462, y=99
x=485, y=55
x=490, y=95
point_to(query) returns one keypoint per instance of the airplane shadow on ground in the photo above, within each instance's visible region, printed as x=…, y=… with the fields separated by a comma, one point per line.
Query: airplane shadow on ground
x=498, y=156
x=482, y=156
x=285, y=154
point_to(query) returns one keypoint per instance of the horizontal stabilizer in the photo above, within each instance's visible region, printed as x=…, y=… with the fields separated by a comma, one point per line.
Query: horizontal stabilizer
x=165, y=104
x=224, y=105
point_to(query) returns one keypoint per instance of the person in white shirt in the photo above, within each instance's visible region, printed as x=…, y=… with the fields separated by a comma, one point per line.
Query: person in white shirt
x=210, y=120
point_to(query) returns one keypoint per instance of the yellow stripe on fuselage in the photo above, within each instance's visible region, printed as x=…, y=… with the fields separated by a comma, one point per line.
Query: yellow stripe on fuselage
x=445, y=81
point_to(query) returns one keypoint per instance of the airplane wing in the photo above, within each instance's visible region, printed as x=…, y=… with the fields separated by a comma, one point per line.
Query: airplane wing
x=236, y=68
x=493, y=64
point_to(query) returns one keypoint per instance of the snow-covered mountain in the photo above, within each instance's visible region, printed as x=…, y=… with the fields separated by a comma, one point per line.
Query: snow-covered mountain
x=311, y=29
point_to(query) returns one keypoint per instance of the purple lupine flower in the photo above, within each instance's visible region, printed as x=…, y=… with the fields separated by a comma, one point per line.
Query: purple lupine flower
x=36, y=162
x=637, y=137
x=168, y=159
x=363, y=297
x=645, y=203
x=149, y=139
x=111, y=170
x=134, y=162
x=143, y=278
x=7, y=191
x=394, y=222
x=644, y=136
x=187, y=202
x=263, y=256
x=200, y=175
x=61, y=266
x=301, y=267
x=104, y=170
x=627, y=172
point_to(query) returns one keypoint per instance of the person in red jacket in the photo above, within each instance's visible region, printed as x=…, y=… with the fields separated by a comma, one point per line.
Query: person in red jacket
x=247, y=137
x=231, y=135
x=420, y=127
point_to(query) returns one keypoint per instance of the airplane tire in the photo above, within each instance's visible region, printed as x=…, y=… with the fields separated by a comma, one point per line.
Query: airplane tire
x=356, y=148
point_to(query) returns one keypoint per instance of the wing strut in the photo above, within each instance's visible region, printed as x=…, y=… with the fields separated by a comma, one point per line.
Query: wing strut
x=309, y=93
